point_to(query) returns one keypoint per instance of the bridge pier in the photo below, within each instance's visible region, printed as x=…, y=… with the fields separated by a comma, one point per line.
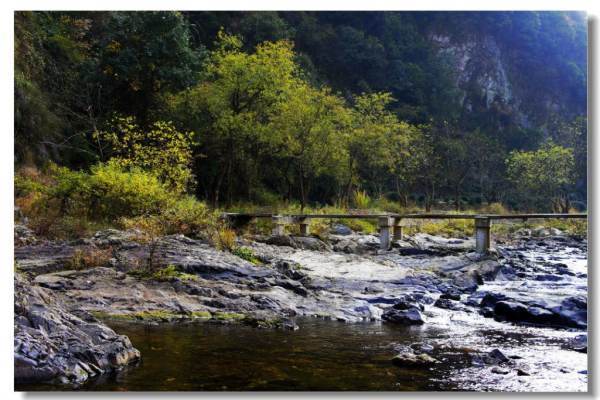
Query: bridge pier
x=278, y=225
x=304, y=227
x=386, y=226
x=483, y=238
x=398, y=229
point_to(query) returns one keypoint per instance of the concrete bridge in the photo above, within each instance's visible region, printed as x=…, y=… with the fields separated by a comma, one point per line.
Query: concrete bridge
x=390, y=225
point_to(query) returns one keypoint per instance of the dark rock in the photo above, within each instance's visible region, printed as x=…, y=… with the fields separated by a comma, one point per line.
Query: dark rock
x=111, y=237
x=290, y=269
x=339, y=229
x=451, y=294
x=421, y=348
x=24, y=236
x=487, y=312
x=349, y=247
x=450, y=305
x=289, y=325
x=411, y=316
x=490, y=299
x=523, y=372
x=282, y=240
x=311, y=243
x=501, y=371
x=495, y=357
x=513, y=311
x=578, y=343
x=573, y=311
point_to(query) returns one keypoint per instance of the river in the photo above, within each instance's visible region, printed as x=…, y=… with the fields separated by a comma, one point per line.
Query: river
x=325, y=354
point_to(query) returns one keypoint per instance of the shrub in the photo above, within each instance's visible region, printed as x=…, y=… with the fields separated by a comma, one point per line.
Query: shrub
x=360, y=225
x=149, y=229
x=447, y=227
x=117, y=192
x=189, y=217
x=494, y=208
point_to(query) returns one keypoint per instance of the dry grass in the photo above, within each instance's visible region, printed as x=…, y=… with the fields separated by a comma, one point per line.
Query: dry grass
x=90, y=258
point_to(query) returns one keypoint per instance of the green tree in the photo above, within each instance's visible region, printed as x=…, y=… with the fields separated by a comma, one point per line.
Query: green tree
x=376, y=144
x=232, y=106
x=310, y=128
x=546, y=174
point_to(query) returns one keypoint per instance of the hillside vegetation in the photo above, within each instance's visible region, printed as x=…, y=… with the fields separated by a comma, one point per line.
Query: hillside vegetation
x=121, y=115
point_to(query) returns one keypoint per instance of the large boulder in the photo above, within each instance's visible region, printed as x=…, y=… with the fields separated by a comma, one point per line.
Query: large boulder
x=23, y=235
x=340, y=229
x=410, y=316
x=573, y=311
x=53, y=345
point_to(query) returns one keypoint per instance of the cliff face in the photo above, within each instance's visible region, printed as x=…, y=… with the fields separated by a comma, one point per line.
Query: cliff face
x=479, y=70
x=535, y=78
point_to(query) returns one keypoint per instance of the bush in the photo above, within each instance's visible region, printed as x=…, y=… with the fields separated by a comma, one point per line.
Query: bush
x=189, y=217
x=452, y=228
x=494, y=208
x=116, y=192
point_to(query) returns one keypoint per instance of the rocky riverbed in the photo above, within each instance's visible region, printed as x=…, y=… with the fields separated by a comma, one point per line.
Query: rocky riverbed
x=533, y=290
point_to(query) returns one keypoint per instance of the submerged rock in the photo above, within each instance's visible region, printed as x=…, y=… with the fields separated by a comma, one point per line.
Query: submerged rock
x=410, y=360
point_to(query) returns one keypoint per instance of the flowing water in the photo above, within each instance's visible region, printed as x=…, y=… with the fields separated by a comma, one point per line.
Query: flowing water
x=331, y=355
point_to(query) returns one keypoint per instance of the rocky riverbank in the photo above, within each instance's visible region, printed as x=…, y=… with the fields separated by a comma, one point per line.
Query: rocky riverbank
x=346, y=278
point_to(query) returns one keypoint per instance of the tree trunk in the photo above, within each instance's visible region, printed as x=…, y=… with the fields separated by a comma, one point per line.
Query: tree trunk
x=302, y=192
x=457, y=198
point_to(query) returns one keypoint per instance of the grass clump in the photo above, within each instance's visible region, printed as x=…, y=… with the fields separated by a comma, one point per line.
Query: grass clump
x=165, y=274
x=361, y=200
x=201, y=315
x=147, y=315
x=246, y=254
x=446, y=227
x=228, y=316
x=224, y=239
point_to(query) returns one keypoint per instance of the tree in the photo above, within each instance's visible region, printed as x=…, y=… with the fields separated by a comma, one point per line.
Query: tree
x=142, y=55
x=376, y=144
x=546, y=174
x=310, y=127
x=231, y=107
x=161, y=149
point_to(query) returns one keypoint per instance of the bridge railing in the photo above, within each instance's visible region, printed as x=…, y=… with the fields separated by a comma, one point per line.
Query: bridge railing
x=390, y=225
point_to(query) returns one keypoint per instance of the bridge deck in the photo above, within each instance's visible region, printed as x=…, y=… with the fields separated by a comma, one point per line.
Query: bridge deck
x=390, y=226
x=407, y=216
